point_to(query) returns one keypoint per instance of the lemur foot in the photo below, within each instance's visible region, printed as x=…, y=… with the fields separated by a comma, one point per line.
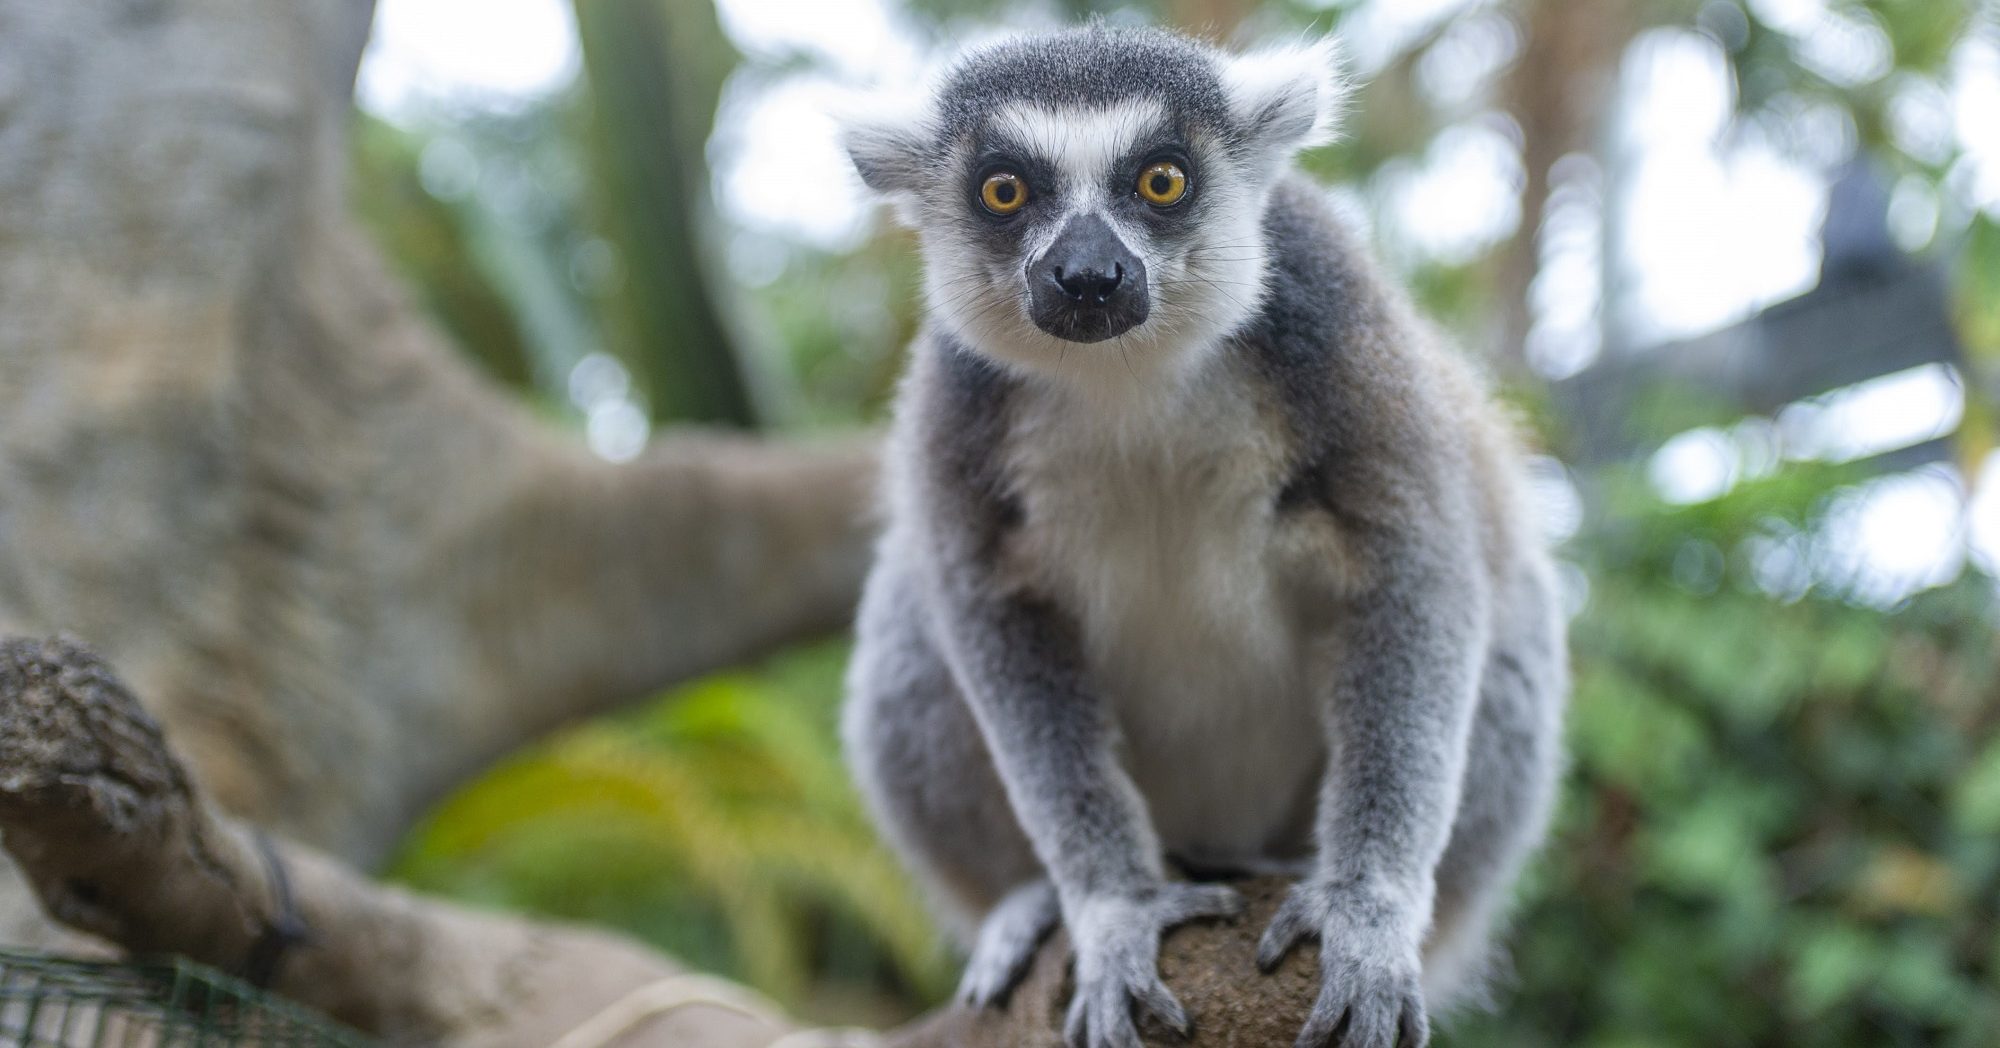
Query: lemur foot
x=1369, y=970
x=1117, y=942
x=1007, y=941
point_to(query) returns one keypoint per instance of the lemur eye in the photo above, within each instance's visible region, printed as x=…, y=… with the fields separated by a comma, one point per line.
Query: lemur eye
x=1003, y=192
x=1163, y=184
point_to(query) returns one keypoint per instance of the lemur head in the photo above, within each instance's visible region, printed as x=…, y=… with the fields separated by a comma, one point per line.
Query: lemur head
x=1098, y=186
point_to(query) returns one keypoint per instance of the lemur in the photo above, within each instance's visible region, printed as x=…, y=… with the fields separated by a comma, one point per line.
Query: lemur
x=1198, y=545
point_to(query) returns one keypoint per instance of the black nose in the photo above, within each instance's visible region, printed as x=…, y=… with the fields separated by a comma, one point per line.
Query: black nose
x=1087, y=286
x=1091, y=282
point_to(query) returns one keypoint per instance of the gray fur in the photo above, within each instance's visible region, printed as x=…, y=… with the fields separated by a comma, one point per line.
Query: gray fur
x=1007, y=940
x=1251, y=584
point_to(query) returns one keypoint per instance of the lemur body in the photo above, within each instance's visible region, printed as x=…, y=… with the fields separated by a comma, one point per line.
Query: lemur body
x=1198, y=544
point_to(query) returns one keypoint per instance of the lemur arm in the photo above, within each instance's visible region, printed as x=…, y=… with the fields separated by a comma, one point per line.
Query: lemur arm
x=1018, y=659
x=1398, y=707
x=1016, y=655
x=1399, y=697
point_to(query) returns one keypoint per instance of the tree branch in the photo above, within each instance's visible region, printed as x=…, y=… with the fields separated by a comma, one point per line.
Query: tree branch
x=343, y=569
x=1211, y=968
x=117, y=841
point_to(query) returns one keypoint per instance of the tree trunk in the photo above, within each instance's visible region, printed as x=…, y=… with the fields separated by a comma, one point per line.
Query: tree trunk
x=344, y=571
x=118, y=841
x=656, y=69
x=1564, y=77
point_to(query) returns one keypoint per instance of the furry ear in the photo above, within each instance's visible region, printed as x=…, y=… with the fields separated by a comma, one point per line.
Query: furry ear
x=887, y=139
x=1288, y=97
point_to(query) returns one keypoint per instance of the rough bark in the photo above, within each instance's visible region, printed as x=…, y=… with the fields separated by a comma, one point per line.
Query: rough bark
x=1210, y=967
x=118, y=842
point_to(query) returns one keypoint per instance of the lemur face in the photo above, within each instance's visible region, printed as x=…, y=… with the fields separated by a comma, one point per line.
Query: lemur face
x=1098, y=194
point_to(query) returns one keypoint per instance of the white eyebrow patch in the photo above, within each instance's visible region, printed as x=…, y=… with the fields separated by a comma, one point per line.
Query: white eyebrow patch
x=1081, y=144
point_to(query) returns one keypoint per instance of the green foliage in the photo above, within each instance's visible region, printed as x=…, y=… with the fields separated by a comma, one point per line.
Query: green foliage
x=717, y=824
x=655, y=70
x=1779, y=824
x=430, y=243
x=1978, y=291
x=483, y=212
x=842, y=321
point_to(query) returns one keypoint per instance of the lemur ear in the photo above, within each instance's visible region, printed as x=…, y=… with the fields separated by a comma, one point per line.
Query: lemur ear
x=887, y=139
x=1288, y=97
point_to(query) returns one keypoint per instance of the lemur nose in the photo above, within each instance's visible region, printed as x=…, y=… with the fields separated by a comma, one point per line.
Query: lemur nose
x=1092, y=283
x=1087, y=285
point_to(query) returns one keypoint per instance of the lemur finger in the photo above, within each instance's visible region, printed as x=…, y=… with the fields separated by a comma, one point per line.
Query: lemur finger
x=1291, y=924
x=1100, y=1019
x=1118, y=1030
x=1328, y=1020
x=1007, y=943
x=1371, y=1023
x=1079, y=1031
x=1196, y=902
x=1160, y=1003
x=986, y=983
x=1415, y=1027
x=1076, y=1024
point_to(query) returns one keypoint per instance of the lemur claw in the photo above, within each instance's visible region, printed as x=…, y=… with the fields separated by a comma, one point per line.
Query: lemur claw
x=1007, y=942
x=1117, y=961
x=1369, y=994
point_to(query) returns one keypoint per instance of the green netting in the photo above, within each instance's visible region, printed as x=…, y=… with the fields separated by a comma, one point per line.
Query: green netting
x=54, y=1002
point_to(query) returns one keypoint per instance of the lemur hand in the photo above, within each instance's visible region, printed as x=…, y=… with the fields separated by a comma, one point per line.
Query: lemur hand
x=1117, y=940
x=1007, y=943
x=1369, y=993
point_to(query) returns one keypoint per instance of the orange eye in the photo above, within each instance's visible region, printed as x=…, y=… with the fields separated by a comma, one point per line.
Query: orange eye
x=1163, y=184
x=1003, y=193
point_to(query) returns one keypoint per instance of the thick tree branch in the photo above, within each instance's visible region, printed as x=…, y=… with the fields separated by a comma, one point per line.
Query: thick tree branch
x=522, y=581
x=1210, y=967
x=117, y=841
x=344, y=571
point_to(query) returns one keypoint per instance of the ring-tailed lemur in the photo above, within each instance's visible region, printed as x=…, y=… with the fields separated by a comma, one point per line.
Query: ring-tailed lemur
x=1198, y=544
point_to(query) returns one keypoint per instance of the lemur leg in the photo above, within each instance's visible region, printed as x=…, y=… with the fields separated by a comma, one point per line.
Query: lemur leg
x=1510, y=781
x=926, y=775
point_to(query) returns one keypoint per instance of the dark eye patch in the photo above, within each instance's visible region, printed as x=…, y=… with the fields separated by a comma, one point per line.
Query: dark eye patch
x=1167, y=142
x=1171, y=225
x=995, y=157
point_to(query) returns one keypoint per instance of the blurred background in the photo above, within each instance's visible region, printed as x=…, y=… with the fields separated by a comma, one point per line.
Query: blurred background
x=1738, y=263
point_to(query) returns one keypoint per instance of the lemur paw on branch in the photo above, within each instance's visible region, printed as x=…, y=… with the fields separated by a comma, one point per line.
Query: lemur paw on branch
x=1199, y=544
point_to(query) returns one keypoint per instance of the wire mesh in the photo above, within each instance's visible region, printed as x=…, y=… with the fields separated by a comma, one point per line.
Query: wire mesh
x=58, y=1002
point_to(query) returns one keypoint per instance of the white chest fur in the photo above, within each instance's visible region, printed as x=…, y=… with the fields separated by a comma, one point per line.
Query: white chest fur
x=1155, y=526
